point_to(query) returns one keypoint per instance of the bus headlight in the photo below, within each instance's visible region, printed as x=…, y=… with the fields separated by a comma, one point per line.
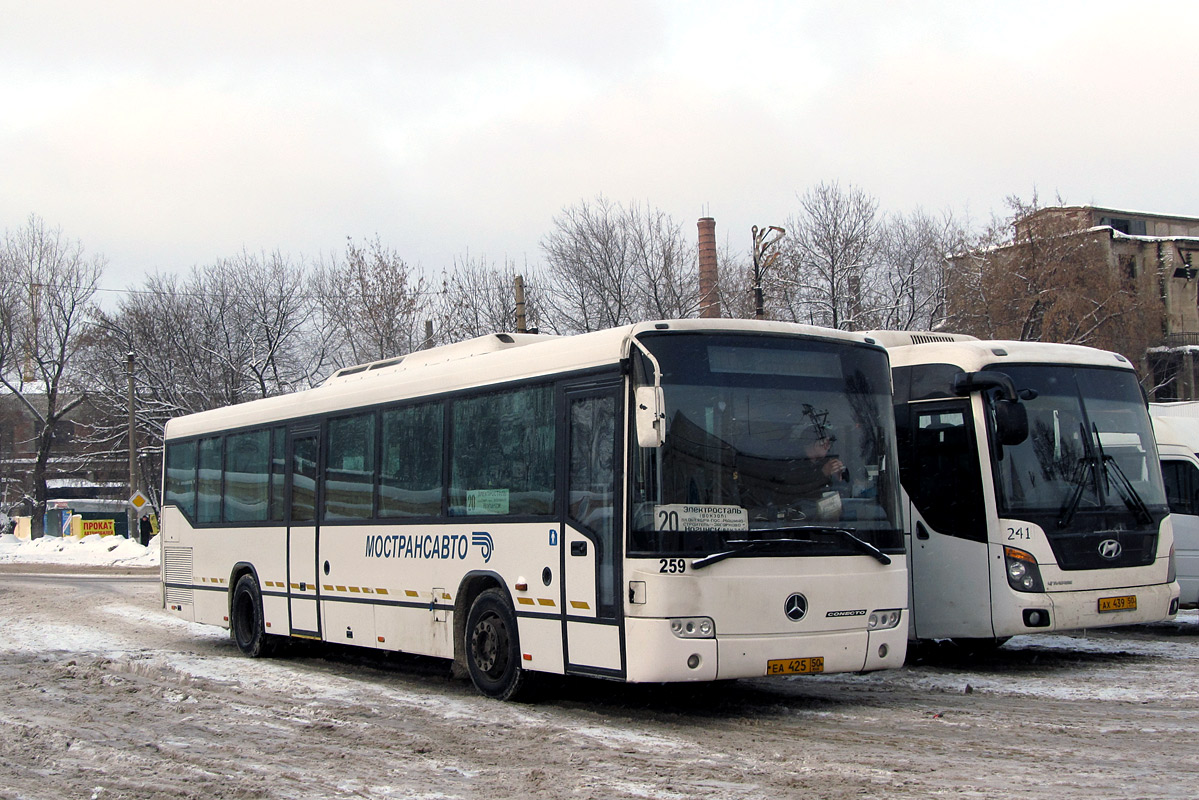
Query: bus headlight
x=883, y=619
x=1023, y=574
x=693, y=627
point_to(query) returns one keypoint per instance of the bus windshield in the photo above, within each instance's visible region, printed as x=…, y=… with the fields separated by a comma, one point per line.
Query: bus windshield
x=775, y=438
x=1089, y=459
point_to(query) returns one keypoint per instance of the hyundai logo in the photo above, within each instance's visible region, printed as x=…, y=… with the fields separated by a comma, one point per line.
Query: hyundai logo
x=1110, y=549
x=796, y=607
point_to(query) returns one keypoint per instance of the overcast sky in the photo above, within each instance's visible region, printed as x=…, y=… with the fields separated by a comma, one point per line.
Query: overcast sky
x=165, y=134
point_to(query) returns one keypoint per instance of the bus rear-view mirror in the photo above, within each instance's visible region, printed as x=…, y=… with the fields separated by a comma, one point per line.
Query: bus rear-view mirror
x=650, y=416
x=1011, y=422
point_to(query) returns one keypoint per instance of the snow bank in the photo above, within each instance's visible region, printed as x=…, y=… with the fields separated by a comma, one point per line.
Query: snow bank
x=94, y=550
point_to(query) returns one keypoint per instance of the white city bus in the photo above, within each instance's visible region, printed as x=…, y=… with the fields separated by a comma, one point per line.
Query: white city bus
x=1032, y=495
x=636, y=504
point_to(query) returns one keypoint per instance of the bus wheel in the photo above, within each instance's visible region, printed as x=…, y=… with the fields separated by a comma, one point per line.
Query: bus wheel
x=245, y=619
x=492, y=648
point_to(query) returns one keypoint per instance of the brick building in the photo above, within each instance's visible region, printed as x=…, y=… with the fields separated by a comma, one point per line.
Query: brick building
x=1158, y=253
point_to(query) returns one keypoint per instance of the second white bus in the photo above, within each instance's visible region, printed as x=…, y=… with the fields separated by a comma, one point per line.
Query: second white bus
x=1032, y=495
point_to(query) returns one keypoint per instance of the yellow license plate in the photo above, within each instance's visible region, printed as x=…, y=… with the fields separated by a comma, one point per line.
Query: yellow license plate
x=1124, y=603
x=795, y=666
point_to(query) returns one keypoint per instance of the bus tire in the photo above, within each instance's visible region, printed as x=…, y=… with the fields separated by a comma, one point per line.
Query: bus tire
x=246, y=624
x=493, y=648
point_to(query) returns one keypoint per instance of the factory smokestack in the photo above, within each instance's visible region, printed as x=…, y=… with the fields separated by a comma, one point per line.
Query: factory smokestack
x=709, y=300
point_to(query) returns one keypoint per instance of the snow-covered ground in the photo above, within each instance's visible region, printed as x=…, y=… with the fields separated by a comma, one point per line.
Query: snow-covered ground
x=103, y=694
x=90, y=551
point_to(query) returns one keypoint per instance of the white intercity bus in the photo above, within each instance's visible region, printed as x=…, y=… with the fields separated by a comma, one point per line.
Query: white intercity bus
x=1033, y=499
x=673, y=501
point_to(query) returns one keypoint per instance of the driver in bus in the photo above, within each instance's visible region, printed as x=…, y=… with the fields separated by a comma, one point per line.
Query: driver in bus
x=815, y=474
x=795, y=488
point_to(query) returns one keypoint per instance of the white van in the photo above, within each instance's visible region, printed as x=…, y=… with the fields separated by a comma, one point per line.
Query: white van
x=1176, y=428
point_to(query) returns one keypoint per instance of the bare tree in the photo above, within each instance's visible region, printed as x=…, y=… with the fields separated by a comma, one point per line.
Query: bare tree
x=479, y=297
x=241, y=329
x=608, y=265
x=1038, y=277
x=373, y=303
x=49, y=285
x=825, y=258
x=907, y=279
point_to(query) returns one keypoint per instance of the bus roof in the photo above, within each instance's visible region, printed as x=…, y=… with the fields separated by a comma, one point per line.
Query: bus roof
x=972, y=354
x=495, y=358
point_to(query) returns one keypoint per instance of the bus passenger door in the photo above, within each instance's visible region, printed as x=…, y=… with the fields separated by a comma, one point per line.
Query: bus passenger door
x=947, y=523
x=303, y=459
x=590, y=531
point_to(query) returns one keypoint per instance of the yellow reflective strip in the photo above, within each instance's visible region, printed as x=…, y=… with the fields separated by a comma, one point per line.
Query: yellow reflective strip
x=355, y=590
x=545, y=601
x=341, y=588
x=579, y=604
x=367, y=590
x=525, y=601
x=326, y=587
x=411, y=593
x=445, y=596
x=381, y=591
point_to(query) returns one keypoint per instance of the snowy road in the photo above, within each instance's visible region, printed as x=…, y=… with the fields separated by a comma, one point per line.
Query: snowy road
x=105, y=696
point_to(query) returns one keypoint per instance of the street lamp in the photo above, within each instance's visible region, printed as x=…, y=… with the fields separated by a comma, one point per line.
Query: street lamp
x=764, y=239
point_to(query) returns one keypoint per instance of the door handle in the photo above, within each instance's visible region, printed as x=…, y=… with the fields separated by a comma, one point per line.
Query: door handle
x=921, y=531
x=578, y=548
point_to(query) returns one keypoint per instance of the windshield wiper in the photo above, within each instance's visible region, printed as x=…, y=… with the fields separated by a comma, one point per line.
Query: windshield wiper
x=748, y=545
x=1086, y=464
x=1090, y=463
x=1128, y=493
x=742, y=546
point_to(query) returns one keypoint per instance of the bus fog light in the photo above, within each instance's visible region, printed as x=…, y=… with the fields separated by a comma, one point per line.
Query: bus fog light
x=883, y=650
x=883, y=619
x=1036, y=618
x=1023, y=574
x=693, y=627
x=693, y=661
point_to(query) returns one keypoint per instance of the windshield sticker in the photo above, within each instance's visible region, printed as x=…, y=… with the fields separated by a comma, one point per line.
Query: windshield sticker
x=681, y=517
x=487, y=501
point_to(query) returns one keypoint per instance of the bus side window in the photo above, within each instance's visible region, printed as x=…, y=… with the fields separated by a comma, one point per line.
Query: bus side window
x=208, y=486
x=181, y=477
x=941, y=473
x=411, y=456
x=1182, y=484
x=350, y=468
x=247, y=487
x=502, y=453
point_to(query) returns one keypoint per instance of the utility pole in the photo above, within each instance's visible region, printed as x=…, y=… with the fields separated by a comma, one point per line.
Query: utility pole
x=764, y=240
x=132, y=514
x=521, y=326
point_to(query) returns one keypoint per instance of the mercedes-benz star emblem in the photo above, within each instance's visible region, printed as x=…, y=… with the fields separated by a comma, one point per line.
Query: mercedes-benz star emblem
x=796, y=607
x=1110, y=549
